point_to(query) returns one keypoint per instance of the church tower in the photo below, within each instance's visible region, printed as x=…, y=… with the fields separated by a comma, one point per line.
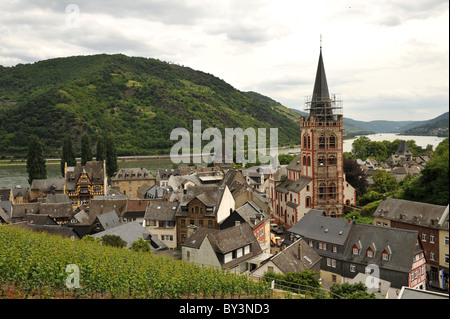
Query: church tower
x=321, y=136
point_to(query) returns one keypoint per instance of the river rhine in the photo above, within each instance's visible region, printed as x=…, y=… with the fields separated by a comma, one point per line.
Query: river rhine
x=12, y=175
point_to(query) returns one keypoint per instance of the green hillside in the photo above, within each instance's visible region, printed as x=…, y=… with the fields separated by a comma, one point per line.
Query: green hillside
x=137, y=100
x=435, y=127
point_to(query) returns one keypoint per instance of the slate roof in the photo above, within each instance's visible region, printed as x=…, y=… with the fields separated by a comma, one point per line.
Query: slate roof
x=402, y=245
x=316, y=225
x=109, y=220
x=225, y=241
x=125, y=174
x=47, y=184
x=93, y=169
x=288, y=259
x=210, y=195
x=252, y=213
x=295, y=164
x=161, y=211
x=293, y=186
x=132, y=231
x=415, y=212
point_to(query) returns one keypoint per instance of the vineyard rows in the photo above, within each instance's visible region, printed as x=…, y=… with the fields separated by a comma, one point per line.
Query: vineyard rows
x=33, y=265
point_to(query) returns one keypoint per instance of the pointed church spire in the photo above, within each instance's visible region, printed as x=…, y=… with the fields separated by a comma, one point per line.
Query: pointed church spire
x=320, y=101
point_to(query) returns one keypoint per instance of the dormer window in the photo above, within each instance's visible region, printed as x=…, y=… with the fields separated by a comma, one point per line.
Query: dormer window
x=369, y=253
x=385, y=255
x=355, y=250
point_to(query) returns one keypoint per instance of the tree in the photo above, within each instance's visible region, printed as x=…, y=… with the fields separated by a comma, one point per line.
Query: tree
x=384, y=182
x=68, y=153
x=350, y=291
x=35, y=160
x=111, y=157
x=140, y=245
x=431, y=184
x=86, y=152
x=113, y=241
x=355, y=176
x=101, y=149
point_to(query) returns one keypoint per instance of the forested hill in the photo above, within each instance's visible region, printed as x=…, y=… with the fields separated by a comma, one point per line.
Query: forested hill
x=137, y=100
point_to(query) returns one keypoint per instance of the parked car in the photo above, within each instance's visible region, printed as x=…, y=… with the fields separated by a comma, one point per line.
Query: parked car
x=278, y=229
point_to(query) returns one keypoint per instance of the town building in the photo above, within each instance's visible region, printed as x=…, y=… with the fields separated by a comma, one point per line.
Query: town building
x=348, y=248
x=160, y=220
x=82, y=183
x=231, y=248
x=202, y=206
x=296, y=257
x=256, y=217
x=431, y=222
x=128, y=180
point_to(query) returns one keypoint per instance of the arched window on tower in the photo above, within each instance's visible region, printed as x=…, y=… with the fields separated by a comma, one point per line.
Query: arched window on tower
x=304, y=160
x=321, y=142
x=309, y=161
x=332, y=160
x=322, y=189
x=321, y=160
x=332, y=141
x=305, y=141
x=332, y=190
x=309, y=142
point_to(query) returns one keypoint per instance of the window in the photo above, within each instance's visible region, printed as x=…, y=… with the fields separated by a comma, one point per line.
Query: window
x=322, y=246
x=446, y=241
x=432, y=255
x=322, y=141
x=321, y=160
x=311, y=243
x=209, y=223
x=246, y=249
x=424, y=236
x=322, y=187
x=332, y=141
x=309, y=142
x=352, y=268
x=369, y=253
x=331, y=262
x=355, y=250
x=432, y=238
x=385, y=255
x=332, y=160
x=308, y=202
x=335, y=249
x=446, y=259
x=304, y=160
x=332, y=190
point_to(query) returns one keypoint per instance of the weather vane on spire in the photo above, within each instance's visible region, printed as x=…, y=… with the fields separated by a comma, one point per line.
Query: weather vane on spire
x=321, y=41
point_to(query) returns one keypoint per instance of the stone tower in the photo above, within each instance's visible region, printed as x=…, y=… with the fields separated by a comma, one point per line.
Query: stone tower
x=322, y=146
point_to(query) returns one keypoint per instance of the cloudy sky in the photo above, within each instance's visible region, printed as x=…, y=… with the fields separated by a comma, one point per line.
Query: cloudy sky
x=389, y=59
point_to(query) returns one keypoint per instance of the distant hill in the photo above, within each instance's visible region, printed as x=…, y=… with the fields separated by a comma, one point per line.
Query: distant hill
x=138, y=100
x=435, y=127
x=438, y=126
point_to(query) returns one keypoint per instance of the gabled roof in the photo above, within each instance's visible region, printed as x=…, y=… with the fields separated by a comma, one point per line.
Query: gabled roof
x=295, y=164
x=225, y=241
x=403, y=245
x=288, y=260
x=293, y=186
x=161, y=211
x=418, y=213
x=252, y=213
x=109, y=220
x=47, y=184
x=316, y=225
x=132, y=231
